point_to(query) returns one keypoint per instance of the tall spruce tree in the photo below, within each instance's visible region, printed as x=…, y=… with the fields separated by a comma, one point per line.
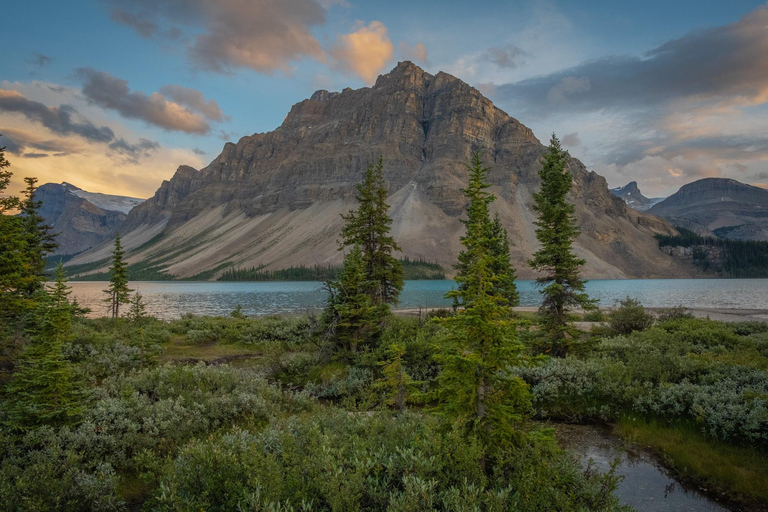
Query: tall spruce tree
x=495, y=237
x=368, y=226
x=44, y=389
x=6, y=202
x=350, y=317
x=562, y=287
x=475, y=386
x=118, y=292
x=20, y=258
x=501, y=265
x=40, y=237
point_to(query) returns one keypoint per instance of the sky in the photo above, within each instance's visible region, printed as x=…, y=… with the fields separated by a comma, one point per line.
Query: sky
x=113, y=95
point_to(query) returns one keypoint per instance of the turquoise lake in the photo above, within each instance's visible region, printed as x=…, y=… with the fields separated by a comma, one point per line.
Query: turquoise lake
x=172, y=299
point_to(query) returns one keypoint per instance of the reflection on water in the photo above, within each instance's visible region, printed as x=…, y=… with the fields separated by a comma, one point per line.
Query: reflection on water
x=646, y=486
x=173, y=299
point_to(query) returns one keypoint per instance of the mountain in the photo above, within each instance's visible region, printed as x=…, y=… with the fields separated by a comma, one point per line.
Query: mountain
x=82, y=219
x=631, y=195
x=720, y=206
x=274, y=199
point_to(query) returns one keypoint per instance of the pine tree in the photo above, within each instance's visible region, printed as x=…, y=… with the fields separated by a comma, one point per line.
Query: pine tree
x=9, y=202
x=396, y=384
x=501, y=265
x=44, y=389
x=18, y=276
x=495, y=237
x=350, y=317
x=138, y=308
x=563, y=289
x=475, y=386
x=368, y=226
x=40, y=238
x=118, y=292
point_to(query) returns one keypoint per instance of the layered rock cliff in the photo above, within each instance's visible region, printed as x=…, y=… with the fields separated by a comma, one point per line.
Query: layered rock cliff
x=274, y=198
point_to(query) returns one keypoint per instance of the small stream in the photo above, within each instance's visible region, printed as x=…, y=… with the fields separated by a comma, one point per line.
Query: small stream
x=647, y=486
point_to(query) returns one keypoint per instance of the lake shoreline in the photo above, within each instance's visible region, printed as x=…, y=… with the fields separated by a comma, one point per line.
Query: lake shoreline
x=719, y=314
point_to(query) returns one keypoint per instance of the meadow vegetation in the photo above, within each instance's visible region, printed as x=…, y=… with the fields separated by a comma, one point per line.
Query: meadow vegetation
x=357, y=408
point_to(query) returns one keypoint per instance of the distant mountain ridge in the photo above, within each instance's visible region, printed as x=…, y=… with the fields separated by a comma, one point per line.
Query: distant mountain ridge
x=82, y=219
x=718, y=206
x=631, y=195
x=274, y=200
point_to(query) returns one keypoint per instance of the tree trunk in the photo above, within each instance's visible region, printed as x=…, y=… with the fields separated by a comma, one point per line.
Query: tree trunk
x=481, y=412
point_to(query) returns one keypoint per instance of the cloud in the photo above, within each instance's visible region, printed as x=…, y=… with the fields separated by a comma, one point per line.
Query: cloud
x=720, y=63
x=17, y=141
x=199, y=151
x=134, y=152
x=195, y=100
x=223, y=35
x=62, y=120
x=416, y=53
x=505, y=57
x=691, y=107
x=110, y=92
x=568, y=87
x=225, y=135
x=572, y=140
x=39, y=60
x=35, y=155
x=364, y=52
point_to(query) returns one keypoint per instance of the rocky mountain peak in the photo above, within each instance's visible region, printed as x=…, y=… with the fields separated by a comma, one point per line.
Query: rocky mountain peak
x=718, y=206
x=275, y=199
x=82, y=219
x=631, y=195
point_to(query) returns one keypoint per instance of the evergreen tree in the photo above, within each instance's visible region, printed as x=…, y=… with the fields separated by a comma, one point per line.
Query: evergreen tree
x=475, y=386
x=17, y=274
x=494, y=236
x=501, y=265
x=368, y=227
x=44, y=389
x=9, y=202
x=118, y=292
x=138, y=308
x=563, y=289
x=40, y=238
x=396, y=384
x=350, y=317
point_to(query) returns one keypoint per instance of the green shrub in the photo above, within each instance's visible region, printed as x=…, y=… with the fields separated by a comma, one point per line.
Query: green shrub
x=685, y=369
x=596, y=315
x=340, y=461
x=674, y=313
x=628, y=317
x=38, y=473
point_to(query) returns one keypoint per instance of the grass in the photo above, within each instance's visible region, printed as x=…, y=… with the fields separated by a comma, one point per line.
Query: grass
x=179, y=349
x=741, y=472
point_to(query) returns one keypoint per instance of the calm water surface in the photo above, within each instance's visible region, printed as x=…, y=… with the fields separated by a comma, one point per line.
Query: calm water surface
x=647, y=486
x=173, y=299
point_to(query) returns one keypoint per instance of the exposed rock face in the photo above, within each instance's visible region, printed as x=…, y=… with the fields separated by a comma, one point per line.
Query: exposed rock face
x=720, y=206
x=631, y=195
x=274, y=198
x=82, y=219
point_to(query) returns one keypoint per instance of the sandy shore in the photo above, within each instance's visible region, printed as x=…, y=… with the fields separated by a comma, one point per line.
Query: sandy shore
x=719, y=314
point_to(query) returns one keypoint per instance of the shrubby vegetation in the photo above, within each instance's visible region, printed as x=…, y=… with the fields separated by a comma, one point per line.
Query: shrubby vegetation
x=690, y=370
